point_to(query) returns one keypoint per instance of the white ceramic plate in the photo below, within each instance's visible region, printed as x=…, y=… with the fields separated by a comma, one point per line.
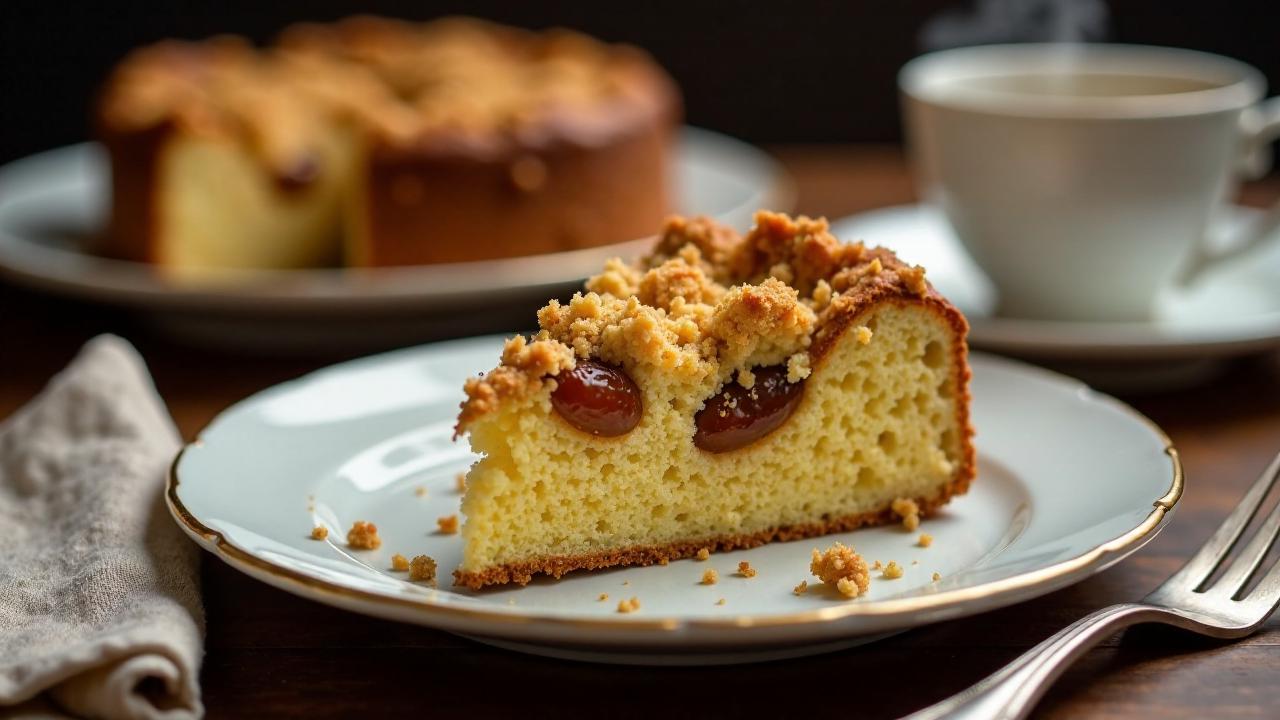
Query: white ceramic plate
x=1232, y=310
x=51, y=204
x=1069, y=482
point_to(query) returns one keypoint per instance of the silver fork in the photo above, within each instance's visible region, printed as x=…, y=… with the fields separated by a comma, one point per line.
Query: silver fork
x=1190, y=599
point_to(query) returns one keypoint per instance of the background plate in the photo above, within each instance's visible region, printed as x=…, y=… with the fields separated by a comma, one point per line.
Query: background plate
x=54, y=203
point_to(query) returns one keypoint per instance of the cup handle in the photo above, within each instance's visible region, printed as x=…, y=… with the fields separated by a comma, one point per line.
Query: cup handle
x=1260, y=126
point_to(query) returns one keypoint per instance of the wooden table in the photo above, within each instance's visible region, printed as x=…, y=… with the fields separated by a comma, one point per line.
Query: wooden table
x=272, y=654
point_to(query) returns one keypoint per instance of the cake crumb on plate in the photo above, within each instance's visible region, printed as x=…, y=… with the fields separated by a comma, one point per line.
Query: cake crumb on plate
x=422, y=567
x=710, y=576
x=448, y=524
x=629, y=606
x=909, y=511
x=720, y=601
x=892, y=571
x=319, y=532
x=420, y=491
x=703, y=553
x=925, y=540
x=841, y=567
x=802, y=588
x=364, y=536
x=937, y=577
x=603, y=597
x=399, y=562
x=460, y=482
x=745, y=569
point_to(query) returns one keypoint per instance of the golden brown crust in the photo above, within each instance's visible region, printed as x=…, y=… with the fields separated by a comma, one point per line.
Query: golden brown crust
x=522, y=572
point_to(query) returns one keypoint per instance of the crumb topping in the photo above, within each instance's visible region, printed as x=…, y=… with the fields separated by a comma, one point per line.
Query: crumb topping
x=629, y=606
x=399, y=562
x=319, y=532
x=840, y=566
x=745, y=570
x=422, y=568
x=909, y=511
x=364, y=536
x=448, y=524
x=705, y=303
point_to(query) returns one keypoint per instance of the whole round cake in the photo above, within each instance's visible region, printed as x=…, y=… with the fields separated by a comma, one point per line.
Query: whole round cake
x=374, y=142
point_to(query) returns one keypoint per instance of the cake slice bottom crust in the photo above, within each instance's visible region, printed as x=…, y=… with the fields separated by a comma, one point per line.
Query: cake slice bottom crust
x=556, y=566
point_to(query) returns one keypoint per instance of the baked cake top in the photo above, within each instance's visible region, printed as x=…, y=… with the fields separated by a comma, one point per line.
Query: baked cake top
x=453, y=83
x=707, y=302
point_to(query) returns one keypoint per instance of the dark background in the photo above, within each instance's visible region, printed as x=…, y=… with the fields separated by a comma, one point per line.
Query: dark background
x=769, y=72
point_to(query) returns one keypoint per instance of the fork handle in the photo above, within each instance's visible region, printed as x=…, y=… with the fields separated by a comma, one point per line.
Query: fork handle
x=1012, y=692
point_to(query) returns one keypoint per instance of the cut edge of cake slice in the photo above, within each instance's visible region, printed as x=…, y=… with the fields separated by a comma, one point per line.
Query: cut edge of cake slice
x=772, y=386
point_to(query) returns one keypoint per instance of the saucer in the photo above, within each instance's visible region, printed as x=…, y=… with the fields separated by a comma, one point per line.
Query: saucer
x=1232, y=310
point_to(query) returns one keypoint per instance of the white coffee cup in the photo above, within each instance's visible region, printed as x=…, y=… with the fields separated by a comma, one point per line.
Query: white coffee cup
x=1087, y=179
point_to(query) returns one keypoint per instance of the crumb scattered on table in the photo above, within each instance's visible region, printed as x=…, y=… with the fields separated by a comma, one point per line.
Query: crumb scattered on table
x=925, y=540
x=892, y=571
x=703, y=553
x=629, y=606
x=319, y=532
x=448, y=524
x=364, y=536
x=745, y=569
x=422, y=567
x=399, y=562
x=841, y=567
x=710, y=576
x=909, y=511
x=802, y=588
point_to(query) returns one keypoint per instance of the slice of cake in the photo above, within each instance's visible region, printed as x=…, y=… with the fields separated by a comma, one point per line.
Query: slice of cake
x=723, y=392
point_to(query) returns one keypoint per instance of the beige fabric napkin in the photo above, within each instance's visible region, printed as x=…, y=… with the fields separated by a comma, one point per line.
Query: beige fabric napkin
x=99, y=590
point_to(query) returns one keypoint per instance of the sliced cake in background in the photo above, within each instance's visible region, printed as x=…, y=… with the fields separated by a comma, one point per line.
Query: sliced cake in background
x=724, y=392
x=373, y=142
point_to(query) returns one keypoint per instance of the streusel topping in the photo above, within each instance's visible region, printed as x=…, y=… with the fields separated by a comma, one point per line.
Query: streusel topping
x=705, y=303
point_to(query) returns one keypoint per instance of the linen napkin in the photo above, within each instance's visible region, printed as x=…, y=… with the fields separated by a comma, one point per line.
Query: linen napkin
x=100, y=609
